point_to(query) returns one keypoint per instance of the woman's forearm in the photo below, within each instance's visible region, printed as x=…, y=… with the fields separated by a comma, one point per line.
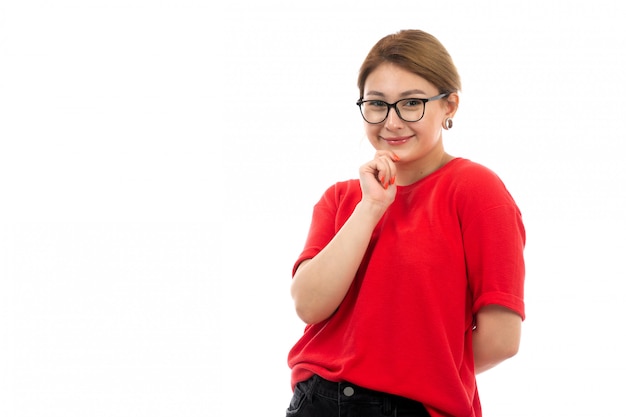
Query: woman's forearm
x=496, y=337
x=320, y=284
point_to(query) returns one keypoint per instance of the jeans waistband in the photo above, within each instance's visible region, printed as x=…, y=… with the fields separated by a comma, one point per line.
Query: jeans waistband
x=346, y=391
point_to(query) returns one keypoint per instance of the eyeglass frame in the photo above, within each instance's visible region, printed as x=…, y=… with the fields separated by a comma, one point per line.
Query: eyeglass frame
x=395, y=107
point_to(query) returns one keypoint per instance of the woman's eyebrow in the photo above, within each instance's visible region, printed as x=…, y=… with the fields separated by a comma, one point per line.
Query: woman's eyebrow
x=403, y=94
x=411, y=92
x=375, y=93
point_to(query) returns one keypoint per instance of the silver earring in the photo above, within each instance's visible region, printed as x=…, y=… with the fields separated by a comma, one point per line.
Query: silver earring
x=447, y=124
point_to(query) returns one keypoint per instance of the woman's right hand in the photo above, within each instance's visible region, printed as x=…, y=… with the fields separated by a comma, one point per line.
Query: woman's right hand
x=378, y=178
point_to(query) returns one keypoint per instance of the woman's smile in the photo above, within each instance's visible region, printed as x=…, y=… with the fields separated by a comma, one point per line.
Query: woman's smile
x=397, y=140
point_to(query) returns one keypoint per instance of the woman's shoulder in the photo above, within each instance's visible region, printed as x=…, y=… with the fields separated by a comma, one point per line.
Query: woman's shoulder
x=342, y=190
x=344, y=186
x=476, y=182
x=471, y=169
x=469, y=174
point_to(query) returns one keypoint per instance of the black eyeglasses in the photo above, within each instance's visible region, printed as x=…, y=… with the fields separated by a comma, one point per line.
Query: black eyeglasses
x=408, y=109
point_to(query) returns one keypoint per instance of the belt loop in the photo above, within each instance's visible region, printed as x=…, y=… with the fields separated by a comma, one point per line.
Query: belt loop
x=388, y=406
x=311, y=388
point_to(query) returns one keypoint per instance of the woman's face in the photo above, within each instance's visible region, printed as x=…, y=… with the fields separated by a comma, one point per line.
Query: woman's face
x=418, y=142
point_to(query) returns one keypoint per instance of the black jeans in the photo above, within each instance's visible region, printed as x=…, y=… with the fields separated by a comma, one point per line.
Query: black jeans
x=317, y=397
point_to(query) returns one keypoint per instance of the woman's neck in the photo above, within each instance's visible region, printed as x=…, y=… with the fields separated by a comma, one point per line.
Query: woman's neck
x=413, y=172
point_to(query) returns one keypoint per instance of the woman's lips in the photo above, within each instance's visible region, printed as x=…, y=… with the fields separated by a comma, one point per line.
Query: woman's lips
x=397, y=140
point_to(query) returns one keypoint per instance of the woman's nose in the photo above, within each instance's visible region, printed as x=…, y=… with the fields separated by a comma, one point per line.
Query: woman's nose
x=393, y=120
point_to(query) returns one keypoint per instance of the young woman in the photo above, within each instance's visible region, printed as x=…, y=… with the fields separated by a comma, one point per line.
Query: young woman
x=411, y=280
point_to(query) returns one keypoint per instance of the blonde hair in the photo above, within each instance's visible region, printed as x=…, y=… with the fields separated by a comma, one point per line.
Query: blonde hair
x=415, y=51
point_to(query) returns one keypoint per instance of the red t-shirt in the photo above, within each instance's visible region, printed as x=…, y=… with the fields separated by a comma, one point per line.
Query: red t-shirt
x=448, y=245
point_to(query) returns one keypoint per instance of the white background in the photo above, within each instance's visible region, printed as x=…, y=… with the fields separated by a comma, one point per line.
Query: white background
x=159, y=161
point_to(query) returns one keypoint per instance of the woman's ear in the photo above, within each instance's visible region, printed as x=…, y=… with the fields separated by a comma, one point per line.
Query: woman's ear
x=452, y=104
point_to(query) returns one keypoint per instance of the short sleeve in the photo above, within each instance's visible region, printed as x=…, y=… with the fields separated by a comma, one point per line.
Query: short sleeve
x=329, y=214
x=494, y=238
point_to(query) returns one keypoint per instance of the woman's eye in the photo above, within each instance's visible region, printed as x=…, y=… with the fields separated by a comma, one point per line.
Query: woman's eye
x=412, y=103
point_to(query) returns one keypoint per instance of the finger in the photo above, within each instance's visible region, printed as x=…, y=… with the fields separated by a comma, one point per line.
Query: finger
x=377, y=169
x=385, y=170
x=388, y=160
